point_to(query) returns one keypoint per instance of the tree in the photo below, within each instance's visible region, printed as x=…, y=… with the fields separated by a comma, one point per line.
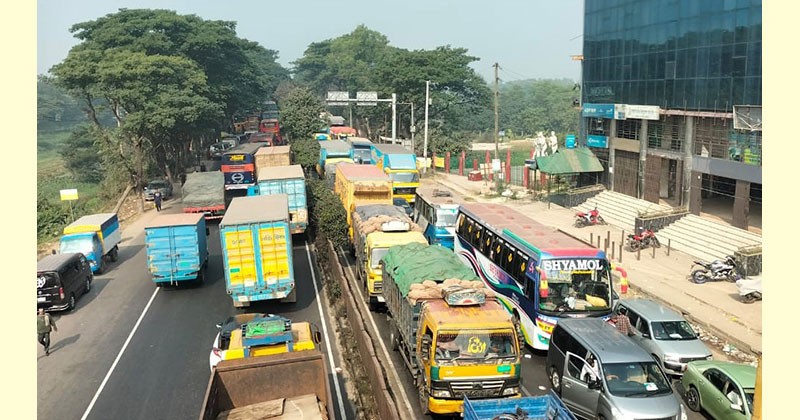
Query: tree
x=300, y=116
x=81, y=157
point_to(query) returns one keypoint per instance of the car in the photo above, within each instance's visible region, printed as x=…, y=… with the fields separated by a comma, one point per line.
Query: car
x=60, y=279
x=251, y=335
x=158, y=185
x=403, y=203
x=664, y=333
x=725, y=390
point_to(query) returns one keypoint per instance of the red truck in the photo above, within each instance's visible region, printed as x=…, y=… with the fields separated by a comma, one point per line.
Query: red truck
x=271, y=126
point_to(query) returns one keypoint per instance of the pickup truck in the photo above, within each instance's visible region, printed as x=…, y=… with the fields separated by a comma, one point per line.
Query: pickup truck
x=291, y=385
x=176, y=248
x=96, y=236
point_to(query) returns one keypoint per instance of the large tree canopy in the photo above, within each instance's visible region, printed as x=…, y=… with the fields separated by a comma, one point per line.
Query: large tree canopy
x=166, y=78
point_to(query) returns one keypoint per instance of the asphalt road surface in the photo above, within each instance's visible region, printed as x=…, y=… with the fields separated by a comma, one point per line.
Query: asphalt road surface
x=163, y=372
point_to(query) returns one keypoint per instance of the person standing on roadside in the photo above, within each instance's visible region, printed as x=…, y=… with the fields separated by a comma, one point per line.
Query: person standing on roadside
x=45, y=324
x=157, y=200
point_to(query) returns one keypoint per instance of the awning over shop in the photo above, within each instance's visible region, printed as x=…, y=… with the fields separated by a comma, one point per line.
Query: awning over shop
x=569, y=161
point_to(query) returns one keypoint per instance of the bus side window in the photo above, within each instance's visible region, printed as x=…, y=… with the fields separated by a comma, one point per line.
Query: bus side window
x=461, y=225
x=486, y=244
x=508, y=260
x=497, y=251
x=520, y=263
x=478, y=237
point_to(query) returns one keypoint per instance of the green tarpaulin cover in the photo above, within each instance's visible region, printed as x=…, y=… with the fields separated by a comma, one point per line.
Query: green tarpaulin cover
x=264, y=328
x=414, y=263
x=569, y=161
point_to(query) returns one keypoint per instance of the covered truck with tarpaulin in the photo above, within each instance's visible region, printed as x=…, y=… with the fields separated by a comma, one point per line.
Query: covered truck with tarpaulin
x=204, y=192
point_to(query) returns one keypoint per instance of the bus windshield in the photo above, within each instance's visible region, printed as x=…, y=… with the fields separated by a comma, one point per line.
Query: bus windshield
x=404, y=176
x=575, y=285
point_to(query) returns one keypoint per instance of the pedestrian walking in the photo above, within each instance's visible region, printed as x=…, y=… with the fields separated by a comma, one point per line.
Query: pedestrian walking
x=45, y=324
x=157, y=200
x=623, y=323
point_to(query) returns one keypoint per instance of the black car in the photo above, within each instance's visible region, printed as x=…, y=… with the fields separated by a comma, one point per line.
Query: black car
x=60, y=279
x=403, y=203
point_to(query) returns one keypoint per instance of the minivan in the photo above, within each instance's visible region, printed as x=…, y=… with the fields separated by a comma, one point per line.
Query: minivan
x=628, y=383
x=664, y=333
x=61, y=279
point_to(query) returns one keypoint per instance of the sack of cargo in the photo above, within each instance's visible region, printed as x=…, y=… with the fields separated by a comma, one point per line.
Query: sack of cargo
x=451, y=282
x=429, y=283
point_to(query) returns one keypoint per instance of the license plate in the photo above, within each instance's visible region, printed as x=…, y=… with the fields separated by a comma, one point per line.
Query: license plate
x=242, y=298
x=381, y=299
x=41, y=299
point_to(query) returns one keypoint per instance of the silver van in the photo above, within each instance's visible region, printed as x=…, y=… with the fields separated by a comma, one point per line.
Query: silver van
x=625, y=382
x=664, y=333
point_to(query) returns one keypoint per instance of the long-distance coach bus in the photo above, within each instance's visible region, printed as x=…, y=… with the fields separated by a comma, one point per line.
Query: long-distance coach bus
x=239, y=166
x=539, y=273
x=435, y=212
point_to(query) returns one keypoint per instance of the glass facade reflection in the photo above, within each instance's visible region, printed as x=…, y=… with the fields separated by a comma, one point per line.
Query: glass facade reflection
x=694, y=55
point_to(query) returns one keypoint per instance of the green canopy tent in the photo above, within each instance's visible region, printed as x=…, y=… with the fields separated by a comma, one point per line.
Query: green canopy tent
x=568, y=163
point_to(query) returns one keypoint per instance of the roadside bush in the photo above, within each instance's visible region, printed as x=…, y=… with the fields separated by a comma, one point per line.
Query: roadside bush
x=326, y=212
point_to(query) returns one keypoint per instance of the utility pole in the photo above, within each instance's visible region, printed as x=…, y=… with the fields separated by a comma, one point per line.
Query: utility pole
x=413, y=129
x=425, y=143
x=394, y=118
x=496, y=111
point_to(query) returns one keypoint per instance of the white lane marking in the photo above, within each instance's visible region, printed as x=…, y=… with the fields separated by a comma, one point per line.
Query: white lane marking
x=327, y=338
x=392, y=369
x=119, y=356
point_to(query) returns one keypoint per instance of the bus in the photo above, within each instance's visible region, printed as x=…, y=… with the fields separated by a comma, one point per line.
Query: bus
x=435, y=212
x=239, y=166
x=539, y=273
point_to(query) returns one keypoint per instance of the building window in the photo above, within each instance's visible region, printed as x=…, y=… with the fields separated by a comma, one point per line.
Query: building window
x=629, y=129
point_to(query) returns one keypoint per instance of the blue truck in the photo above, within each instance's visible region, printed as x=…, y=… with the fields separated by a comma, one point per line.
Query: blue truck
x=331, y=153
x=177, y=249
x=257, y=250
x=288, y=180
x=401, y=166
x=542, y=407
x=96, y=236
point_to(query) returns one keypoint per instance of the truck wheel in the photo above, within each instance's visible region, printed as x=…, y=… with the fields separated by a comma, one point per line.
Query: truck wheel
x=201, y=276
x=114, y=254
x=394, y=339
x=102, y=266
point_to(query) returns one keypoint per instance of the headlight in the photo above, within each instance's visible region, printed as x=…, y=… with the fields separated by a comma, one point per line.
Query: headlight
x=683, y=413
x=440, y=393
x=514, y=390
x=618, y=415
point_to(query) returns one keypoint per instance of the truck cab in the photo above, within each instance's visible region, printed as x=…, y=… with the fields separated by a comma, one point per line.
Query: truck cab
x=472, y=352
x=401, y=166
x=376, y=246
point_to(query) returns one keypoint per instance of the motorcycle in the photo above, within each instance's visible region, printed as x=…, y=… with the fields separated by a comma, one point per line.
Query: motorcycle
x=749, y=289
x=593, y=217
x=716, y=270
x=643, y=240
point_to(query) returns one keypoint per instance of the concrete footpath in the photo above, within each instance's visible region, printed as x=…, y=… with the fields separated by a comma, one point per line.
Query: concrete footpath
x=714, y=307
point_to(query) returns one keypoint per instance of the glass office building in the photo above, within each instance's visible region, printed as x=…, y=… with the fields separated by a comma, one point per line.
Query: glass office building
x=678, y=82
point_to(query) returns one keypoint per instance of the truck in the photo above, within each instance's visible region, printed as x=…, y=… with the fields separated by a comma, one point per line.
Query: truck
x=331, y=153
x=540, y=407
x=204, y=192
x=360, y=184
x=288, y=180
x=257, y=250
x=268, y=157
x=455, y=338
x=362, y=150
x=401, y=166
x=290, y=385
x=96, y=236
x=176, y=248
x=376, y=228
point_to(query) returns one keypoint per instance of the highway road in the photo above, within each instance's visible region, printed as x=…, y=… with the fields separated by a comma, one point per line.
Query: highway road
x=166, y=335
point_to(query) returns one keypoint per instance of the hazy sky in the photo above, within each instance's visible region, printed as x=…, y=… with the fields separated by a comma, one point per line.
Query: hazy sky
x=528, y=38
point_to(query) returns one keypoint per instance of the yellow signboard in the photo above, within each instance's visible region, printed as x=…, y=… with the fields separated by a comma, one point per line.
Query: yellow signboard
x=439, y=162
x=67, y=195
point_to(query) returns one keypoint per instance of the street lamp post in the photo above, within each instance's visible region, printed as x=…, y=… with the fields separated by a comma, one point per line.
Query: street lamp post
x=425, y=143
x=412, y=129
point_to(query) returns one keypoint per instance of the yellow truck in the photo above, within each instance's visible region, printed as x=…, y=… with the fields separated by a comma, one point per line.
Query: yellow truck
x=360, y=184
x=456, y=339
x=376, y=228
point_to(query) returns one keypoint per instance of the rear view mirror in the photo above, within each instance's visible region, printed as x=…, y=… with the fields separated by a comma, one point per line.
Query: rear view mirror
x=219, y=326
